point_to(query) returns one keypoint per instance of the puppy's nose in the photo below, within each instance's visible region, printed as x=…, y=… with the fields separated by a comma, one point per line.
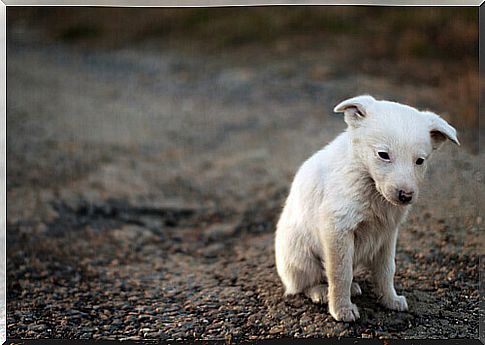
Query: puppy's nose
x=405, y=197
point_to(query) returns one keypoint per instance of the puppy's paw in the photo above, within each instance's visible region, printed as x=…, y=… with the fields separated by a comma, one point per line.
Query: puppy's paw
x=398, y=303
x=346, y=313
x=355, y=290
x=318, y=294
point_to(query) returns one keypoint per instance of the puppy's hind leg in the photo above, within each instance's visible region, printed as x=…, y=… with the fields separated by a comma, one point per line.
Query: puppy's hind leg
x=302, y=273
x=301, y=279
x=297, y=268
x=317, y=293
x=355, y=289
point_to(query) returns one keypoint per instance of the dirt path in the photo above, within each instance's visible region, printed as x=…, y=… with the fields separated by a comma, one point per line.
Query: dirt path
x=143, y=188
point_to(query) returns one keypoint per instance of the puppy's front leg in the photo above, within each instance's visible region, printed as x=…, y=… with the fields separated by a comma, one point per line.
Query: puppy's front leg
x=384, y=268
x=339, y=251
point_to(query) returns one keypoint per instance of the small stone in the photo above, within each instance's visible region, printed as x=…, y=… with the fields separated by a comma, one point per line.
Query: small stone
x=276, y=330
x=144, y=317
x=36, y=328
x=133, y=337
x=249, y=293
x=85, y=336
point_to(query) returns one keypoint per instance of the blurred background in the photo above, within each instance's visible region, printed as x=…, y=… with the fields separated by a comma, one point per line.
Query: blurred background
x=427, y=47
x=149, y=152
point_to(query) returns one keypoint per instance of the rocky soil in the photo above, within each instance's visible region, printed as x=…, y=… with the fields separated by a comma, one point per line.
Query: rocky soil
x=144, y=184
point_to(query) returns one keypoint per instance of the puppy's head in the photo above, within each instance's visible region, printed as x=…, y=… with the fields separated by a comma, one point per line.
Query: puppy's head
x=394, y=142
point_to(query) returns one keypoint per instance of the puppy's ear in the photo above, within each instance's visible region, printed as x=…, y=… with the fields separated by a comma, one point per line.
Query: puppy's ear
x=440, y=130
x=355, y=109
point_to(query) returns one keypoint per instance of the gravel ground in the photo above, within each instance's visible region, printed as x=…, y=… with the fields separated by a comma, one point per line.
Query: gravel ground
x=144, y=185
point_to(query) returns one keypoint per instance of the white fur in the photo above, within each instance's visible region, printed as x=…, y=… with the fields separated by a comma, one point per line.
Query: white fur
x=343, y=210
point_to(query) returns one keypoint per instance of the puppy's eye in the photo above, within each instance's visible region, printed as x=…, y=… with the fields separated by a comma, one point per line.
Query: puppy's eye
x=419, y=161
x=384, y=155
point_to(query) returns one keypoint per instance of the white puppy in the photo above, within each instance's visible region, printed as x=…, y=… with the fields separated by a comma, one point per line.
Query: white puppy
x=347, y=201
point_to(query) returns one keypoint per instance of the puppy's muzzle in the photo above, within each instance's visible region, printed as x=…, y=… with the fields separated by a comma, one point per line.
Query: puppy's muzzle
x=405, y=197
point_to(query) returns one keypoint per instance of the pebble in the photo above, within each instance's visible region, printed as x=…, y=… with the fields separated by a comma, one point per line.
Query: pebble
x=276, y=330
x=36, y=328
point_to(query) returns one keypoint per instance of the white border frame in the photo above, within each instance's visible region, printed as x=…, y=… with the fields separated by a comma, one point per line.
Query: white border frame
x=141, y=3
x=3, y=174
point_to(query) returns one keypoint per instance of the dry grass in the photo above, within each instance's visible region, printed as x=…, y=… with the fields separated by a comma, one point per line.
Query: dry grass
x=456, y=94
x=415, y=31
x=427, y=46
